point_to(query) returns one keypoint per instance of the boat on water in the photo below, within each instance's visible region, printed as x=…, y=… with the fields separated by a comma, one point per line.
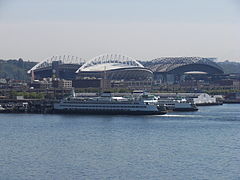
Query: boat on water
x=178, y=105
x=2, y=109
x=108, y=104
x=205, y=99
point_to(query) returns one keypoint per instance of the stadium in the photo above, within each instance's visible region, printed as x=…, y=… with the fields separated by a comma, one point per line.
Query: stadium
x=172, y=68
x=63, y=67
x=181, y=65
x=117, y=67
x=114, y=67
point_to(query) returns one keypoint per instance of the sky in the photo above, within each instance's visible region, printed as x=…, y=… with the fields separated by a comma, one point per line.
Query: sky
x=143, y=29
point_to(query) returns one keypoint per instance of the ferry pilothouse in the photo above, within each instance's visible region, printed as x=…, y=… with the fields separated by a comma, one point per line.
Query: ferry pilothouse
x=107, y=104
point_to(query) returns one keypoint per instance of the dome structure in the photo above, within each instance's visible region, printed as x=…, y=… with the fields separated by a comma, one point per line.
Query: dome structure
x=180, y=65
x=115, y=67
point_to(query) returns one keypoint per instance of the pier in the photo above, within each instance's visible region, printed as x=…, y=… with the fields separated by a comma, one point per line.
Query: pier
x=26, y=106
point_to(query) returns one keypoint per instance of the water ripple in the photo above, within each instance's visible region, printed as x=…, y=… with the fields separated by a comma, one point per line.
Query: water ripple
x=178, y=145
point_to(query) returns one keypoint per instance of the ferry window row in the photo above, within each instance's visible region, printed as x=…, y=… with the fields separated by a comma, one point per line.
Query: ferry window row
x=84, y=102
x=104, y=106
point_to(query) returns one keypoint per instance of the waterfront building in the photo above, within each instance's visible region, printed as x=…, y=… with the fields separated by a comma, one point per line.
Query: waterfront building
x=43, y=84
x=62, y=84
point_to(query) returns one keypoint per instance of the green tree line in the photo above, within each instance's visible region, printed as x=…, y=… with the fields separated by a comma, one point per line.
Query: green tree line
x=15, y=69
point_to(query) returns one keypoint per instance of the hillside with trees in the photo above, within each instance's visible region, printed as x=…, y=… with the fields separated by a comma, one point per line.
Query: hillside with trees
x=15, y=69
x=230, y=67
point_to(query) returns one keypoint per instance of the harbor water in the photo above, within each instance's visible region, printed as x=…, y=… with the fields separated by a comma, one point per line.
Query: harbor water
x=180, y=145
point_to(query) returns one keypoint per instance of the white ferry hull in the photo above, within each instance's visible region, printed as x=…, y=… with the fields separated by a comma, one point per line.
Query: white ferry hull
x=108, y=111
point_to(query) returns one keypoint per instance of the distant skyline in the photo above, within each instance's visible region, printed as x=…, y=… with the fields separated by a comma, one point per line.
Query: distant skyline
x=142, y=29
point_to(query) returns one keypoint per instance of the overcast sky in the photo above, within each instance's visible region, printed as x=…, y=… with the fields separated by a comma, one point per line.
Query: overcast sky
x=142, y=29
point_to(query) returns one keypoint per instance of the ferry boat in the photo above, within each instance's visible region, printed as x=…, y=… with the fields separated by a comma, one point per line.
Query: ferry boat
x=170, y=104
x=107, y=104
x=2, y=109
x=178, y=105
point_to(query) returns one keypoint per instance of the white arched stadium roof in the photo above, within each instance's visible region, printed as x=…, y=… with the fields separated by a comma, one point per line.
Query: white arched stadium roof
x=109, y=62
x=64, y=59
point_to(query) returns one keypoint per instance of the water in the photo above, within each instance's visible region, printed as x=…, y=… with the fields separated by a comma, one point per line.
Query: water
x=186, y=145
